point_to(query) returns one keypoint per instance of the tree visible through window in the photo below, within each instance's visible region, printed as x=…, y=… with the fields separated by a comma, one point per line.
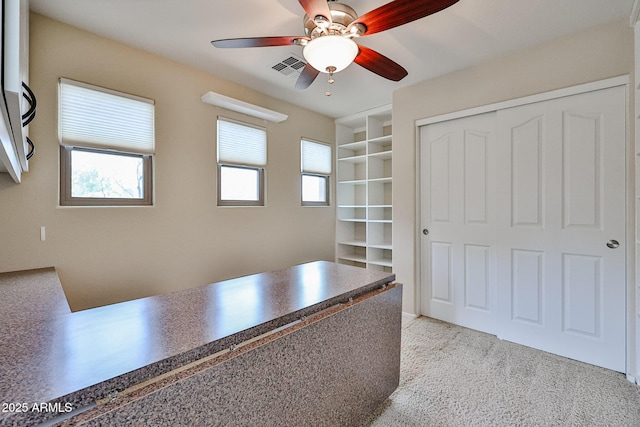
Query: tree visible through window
x=106, y=175
x=107, y=141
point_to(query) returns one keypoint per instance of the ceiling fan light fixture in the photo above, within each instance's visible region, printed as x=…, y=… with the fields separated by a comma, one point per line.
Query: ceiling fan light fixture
x=332, y=51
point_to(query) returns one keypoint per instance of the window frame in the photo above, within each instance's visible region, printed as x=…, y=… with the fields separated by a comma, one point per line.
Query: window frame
x=134, y=136
x=231, y=202
x=327, y=193
x=66, y=198
x=260, y=168
x=327, y=177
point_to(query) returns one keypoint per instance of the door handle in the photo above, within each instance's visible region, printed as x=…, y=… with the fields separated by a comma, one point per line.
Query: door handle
x=613, y=244
x=425, y=231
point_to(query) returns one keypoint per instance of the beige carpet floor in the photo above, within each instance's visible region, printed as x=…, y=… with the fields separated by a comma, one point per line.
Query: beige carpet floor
x=453, y=376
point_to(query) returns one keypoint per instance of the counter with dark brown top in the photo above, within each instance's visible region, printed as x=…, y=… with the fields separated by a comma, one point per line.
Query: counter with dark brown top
x=75, y=359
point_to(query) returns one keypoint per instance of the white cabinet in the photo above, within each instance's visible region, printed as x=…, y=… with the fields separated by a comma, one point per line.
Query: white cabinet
x=365, y=189
x=17, y=105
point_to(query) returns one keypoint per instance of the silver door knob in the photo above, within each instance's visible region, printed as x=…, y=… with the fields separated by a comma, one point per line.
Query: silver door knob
x=425, y=231
x=612, y=244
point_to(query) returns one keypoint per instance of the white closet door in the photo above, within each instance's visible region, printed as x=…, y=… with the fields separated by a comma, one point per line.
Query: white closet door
x=521, y=207
x=458, y=186
x=561, y=182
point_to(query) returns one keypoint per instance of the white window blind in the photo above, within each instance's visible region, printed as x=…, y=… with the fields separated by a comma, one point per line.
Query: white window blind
x=91, y=116
x=241, y=144
x=316, y=158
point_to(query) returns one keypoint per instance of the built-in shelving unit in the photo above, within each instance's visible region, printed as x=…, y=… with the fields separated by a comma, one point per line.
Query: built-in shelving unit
x=365, y=189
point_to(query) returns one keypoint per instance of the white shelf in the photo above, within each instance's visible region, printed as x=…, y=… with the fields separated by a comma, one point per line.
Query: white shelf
x=381, y=140
x=382, y=155
x=364, y=194
x=353, y=159
x=358, y=145
x=383, y=262
x=387, y=246
x=362, y=260
x=359, y=243
x=354, y=182
x=380, y=180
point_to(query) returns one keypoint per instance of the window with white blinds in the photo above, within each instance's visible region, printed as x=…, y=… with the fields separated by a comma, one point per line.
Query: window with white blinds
x=242, y=157
x=316, y=157
x=241, y=144
x=91, y=116
x=107, y=140
x=316, y=161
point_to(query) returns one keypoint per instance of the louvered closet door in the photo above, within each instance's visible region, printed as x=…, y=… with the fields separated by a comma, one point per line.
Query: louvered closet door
x=520, y=206
x=561, y=182
x=458, y=210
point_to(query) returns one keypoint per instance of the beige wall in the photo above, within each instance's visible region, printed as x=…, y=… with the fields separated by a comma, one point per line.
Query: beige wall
x=595, y=54
x=105, y=255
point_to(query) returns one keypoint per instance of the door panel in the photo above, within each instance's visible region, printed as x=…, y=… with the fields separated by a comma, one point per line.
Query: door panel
x=571, y=300
x=527, y=284
x=526, y=173
x=441, y=272
x=477, y=277
x=581, y=294
x=582, y=175
x=475, y=177
x=460, y=214
x=440, y=172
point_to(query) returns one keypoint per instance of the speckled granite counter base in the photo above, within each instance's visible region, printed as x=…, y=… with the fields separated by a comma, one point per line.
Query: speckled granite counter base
x=79, y=358
x=28, y=297
x=333, y=369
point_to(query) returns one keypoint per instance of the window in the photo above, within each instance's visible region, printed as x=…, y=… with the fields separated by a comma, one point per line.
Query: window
x=242, y=156
x=316, y=169
x=107, y=143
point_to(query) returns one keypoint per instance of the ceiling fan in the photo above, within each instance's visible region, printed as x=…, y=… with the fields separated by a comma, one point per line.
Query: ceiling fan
x=330, y=30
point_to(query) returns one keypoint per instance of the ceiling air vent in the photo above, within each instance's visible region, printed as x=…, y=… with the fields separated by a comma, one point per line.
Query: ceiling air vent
x=290, y=67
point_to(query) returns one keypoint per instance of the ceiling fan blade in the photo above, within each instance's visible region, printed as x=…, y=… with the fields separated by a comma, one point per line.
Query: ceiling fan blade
x=314, y=8
x=258, y=41
x=380, y=64
x=307, y=77
x=399, y=12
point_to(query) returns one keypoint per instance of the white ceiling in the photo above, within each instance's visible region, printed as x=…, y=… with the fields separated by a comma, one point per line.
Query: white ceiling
x=468, y=32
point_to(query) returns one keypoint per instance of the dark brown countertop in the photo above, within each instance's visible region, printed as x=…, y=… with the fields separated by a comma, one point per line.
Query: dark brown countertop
x=80, y=357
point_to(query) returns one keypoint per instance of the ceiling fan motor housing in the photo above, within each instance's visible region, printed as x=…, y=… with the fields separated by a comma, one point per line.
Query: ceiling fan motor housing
x=341, y=17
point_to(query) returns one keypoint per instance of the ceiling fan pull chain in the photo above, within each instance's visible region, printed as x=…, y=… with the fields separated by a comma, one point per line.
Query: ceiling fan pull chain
x=331, y=80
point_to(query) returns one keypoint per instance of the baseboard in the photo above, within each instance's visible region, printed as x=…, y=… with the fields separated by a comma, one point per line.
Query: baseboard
x=629, y=378
x=407, y=318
